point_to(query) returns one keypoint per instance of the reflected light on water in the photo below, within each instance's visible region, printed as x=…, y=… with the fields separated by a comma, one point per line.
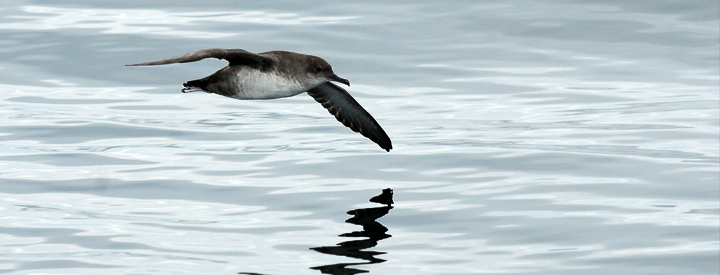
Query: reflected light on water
x=153, y=22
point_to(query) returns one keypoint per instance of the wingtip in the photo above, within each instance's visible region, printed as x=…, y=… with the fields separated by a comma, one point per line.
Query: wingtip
x=387, y=147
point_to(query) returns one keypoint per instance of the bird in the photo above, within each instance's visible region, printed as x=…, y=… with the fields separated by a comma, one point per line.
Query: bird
x=278, y=74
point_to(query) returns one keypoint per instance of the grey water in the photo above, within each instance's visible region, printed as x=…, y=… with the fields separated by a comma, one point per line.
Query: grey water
x=530, y=137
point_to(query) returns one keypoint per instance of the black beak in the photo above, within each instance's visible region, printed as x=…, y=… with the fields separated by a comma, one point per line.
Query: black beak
x=339, y=79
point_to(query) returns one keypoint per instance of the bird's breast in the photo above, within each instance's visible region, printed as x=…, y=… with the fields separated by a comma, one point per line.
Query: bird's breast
x=256, y=84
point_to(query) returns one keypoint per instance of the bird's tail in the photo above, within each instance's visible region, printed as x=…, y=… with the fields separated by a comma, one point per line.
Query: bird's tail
x=197, y=85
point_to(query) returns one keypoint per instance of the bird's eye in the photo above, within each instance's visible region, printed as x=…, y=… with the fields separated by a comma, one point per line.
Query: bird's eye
x=318, y=69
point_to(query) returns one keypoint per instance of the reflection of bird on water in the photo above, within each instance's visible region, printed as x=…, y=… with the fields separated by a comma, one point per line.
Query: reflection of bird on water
x=384, y=198
x=372, y=230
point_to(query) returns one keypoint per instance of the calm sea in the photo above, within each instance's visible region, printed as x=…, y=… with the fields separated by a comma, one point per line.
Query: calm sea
x=531, y=137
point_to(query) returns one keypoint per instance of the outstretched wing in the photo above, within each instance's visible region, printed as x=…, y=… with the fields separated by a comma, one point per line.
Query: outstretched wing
x=349, y=112
x=234, y=56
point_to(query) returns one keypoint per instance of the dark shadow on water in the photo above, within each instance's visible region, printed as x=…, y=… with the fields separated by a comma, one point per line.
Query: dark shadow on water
x=372, y=231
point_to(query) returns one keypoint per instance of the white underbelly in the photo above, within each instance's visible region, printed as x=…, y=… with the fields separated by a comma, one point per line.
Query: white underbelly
x=254, y=84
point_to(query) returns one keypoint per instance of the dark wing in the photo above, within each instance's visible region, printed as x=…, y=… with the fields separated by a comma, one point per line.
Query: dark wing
x=234, y=56
x=346, y=110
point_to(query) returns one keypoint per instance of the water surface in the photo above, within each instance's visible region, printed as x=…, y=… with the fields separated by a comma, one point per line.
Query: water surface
x=531, y=137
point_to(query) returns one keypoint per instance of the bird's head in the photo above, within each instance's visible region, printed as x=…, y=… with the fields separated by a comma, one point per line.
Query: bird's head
x=320, y=70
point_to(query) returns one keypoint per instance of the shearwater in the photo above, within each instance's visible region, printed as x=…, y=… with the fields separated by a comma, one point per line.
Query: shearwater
x=278, y=74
